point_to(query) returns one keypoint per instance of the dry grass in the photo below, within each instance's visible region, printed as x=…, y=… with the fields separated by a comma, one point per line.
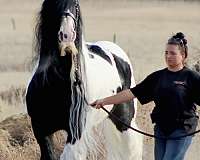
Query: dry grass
x=13, y=96
x=12, y=102
x=141, y=29
x=12, y=92
x=17, y=140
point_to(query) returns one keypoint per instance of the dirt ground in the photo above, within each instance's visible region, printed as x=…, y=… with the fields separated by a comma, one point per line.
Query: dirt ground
x=141, y=29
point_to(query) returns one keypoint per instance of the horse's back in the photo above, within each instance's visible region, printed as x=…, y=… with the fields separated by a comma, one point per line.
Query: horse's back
x=113, y=48
x=121, y=59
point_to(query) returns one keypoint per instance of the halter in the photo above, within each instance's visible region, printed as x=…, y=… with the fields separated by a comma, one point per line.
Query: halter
x=70, y=14
x=75, y=56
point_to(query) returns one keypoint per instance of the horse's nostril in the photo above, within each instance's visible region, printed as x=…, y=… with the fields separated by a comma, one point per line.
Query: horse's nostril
x=65, y=36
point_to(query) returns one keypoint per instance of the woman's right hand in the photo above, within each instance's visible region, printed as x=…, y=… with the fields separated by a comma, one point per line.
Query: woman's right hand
x=98, y=103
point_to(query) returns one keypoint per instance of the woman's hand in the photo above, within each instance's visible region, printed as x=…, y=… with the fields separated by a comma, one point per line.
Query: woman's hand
x=121, y=97
x=98, y=103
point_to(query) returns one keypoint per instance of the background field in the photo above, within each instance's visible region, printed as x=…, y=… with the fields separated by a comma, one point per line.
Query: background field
x=141, y=29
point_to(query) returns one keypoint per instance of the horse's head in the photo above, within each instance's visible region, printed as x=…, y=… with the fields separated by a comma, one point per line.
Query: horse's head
x=58, y=32
x=70, y=28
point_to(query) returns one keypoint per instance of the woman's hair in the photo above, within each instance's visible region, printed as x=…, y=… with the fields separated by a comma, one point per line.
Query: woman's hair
x=179, y=39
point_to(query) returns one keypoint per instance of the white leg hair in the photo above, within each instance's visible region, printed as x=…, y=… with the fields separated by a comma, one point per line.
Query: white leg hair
x=125, y=145
x=89, y=147
x=105, y=142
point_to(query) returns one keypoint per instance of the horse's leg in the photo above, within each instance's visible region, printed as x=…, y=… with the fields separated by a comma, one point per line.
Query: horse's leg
x=45, y=144
x=121, y=142
x=74, y=150
x=46, y=148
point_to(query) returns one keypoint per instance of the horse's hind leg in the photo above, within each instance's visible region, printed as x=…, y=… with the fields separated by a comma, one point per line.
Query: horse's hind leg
x=121, y=142
x=125, y=145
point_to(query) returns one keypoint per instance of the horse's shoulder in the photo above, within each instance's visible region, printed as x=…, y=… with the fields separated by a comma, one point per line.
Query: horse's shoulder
x=34, y=84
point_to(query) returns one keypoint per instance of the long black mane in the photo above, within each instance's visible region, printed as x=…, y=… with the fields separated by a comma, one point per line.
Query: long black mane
x=48, y=56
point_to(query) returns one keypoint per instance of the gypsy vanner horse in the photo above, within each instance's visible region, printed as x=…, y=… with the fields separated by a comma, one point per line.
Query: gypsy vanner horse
x=68, y=75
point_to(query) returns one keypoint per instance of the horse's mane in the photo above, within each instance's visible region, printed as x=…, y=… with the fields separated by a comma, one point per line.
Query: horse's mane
x=48, y=56
x=46, y=33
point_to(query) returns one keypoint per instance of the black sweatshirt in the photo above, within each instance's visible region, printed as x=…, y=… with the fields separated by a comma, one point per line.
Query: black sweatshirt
x=175, y=95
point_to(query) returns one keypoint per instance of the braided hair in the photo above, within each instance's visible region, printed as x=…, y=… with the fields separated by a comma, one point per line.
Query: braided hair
x=179, y=39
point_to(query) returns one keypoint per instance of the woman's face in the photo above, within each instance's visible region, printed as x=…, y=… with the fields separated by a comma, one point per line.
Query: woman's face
x=173, y=56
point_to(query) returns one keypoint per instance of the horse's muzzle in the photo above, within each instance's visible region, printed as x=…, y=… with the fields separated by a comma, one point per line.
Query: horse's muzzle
x=68, y=48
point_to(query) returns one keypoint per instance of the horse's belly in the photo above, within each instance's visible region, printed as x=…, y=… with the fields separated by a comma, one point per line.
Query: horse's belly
x=102, y=81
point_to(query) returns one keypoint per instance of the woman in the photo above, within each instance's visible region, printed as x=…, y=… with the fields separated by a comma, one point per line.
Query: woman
x=175, y=90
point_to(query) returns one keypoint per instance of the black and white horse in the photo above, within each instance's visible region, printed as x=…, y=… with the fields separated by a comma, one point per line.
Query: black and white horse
x=69, y=74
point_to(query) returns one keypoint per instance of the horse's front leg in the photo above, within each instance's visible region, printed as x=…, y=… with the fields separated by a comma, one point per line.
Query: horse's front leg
x=46, y=148
x=45, y=143
x=74, y=149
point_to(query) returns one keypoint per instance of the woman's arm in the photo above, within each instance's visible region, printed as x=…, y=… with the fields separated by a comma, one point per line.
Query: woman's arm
x=121, y=97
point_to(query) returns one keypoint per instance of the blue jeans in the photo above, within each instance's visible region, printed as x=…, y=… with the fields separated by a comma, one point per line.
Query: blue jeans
x=171, y=149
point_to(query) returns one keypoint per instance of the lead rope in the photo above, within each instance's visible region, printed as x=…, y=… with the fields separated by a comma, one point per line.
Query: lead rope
x=147, y=134
x=144, y=133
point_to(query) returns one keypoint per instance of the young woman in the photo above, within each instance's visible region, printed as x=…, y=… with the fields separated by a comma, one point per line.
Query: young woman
x=175, y=91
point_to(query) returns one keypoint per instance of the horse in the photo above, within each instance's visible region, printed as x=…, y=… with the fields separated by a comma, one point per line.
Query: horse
x=69, y=74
